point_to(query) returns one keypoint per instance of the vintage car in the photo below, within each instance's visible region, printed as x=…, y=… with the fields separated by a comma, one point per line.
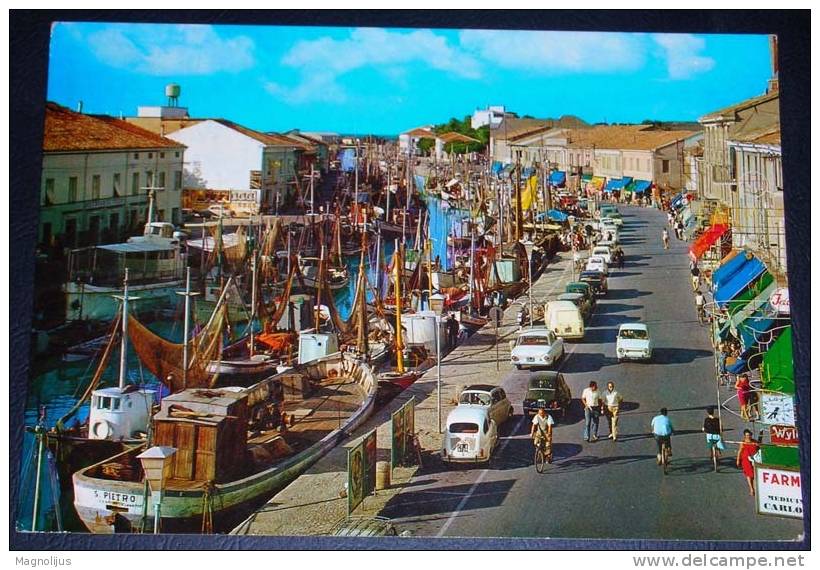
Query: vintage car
x=596, y=262
x=548, y=390
x=633, y=342
x=470, y=435
x=564, y=318
x=584, y=288
x=491, y=397
x=580, y=301
x=596, y=279
x=537, y=347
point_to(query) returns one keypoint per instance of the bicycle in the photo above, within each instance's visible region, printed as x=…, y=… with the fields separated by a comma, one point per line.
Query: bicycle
x=713, y=452
x=543, y=452
x=665, y=452
x=701, y=314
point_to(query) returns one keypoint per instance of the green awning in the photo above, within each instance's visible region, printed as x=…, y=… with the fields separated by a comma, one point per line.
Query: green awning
x=758, y=293
x=586, y=177
x=782, y=456
x=777, y=370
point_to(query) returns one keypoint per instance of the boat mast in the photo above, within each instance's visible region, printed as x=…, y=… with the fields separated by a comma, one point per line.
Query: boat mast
x=253, y=298
x=472, y=266
x=147, y=229
x=124, y=341
x=397, y=269
x=186, y=328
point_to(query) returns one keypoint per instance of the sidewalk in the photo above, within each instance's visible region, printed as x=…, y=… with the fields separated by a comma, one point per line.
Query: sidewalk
x=315, y=502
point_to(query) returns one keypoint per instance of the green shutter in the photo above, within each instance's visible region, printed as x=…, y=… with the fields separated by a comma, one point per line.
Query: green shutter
x=777, y=372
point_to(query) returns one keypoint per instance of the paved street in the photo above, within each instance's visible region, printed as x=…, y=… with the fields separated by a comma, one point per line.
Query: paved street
x=609, y=489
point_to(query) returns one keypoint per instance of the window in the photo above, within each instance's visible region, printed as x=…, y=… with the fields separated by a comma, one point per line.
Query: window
x=175, y=215
x=136, y=156
x=178, y=180
x=150, y=155
x=161, y=180
x=49, y=197
x=176, y=154
x=72, y=189
x=135, y=183
x=665, y=166
x=95, y=187
x=161, y=215
x=116, y=184
x=114, y=221
x=149, y=179
x=162, y=155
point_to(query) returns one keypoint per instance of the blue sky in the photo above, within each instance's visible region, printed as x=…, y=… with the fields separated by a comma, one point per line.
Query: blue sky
x=384, y=81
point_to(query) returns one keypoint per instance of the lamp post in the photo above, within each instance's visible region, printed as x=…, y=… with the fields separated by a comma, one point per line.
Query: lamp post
x=528, y=246
x=156, y=463
x=438, y=368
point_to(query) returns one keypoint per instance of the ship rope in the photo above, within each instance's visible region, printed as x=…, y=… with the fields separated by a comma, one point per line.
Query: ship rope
x=95, y=380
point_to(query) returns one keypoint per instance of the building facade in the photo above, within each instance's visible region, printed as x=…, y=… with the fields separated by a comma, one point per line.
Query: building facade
x=97, y=172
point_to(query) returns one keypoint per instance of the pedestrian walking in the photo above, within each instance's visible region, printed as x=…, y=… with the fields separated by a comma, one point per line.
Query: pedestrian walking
x=665, y=238
x=670, y=219
x=612, y=400
x=711, y=427
x=695, y=271
x=744, y=390
x=591, y=399
x=452, y=331
x=748, y=448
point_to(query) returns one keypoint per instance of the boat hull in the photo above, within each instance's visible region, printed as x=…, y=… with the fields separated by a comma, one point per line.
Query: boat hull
x=98, y=303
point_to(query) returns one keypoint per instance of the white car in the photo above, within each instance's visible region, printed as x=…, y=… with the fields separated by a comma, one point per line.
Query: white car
x=597, y=263
x=616, y=220
x=633, y=342
x=487, y=396
x=537, y=347
x=604, y=252
x=470, y=435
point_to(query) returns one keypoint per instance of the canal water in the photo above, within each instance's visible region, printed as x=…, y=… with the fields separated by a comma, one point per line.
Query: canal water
x=56, y=390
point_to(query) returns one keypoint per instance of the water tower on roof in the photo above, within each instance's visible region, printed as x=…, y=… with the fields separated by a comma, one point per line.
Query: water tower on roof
x=172, y=91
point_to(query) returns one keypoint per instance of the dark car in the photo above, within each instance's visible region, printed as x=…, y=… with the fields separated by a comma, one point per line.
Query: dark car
x=547, y=389
x=580, y=287
x=596, y=280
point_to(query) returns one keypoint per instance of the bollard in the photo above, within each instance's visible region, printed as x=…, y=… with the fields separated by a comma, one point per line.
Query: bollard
x=382, y=475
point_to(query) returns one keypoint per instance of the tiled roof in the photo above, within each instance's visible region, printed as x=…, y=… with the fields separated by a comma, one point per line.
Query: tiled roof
x=602, y=136
x=268, y=139
x=731, y=111
x=512, y=128
x=420, y=132
x=66, y=130
x=769, y=136
x=644, y=140
x=456, y=137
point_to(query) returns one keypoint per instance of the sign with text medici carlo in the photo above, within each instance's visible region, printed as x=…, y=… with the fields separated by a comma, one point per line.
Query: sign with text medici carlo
x=779, y=491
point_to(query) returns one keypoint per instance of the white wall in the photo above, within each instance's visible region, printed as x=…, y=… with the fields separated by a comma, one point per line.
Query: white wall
x=222, y=156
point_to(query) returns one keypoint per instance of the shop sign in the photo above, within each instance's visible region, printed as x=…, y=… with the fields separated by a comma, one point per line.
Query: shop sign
x=778, y=492
x=776, y=409
x=783, y=435
x=779, y=300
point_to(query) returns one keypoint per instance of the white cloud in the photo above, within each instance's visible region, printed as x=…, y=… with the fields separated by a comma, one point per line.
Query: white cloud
x=682, y=51
x=322, y=61
x=171, y=50
x=551, y=52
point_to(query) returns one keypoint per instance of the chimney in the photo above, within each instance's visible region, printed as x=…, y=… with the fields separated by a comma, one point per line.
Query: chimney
x=79, y=106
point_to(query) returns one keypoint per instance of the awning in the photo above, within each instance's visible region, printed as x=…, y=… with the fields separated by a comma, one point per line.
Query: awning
x=497, y=167
x=728, y=267
x=528, y=171
x=598, y=182
x=745, y=275
x=706, y=240
x=740, y=366
x=777, y=371
x=557, y=216
x=617, y=183
x=586, y=177
x=744, y=305
x=638, y=186
x=676, y=200
x=558, y=177
x=754, y=330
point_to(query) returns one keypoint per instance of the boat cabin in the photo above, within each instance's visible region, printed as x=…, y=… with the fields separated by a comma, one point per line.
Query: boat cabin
x=313, y=346
x=118, y=414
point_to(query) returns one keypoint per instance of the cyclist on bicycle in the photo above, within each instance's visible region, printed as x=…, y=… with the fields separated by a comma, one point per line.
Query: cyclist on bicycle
x=542, y=424
x=662, y=430
x=665, y=238
x=700, y=303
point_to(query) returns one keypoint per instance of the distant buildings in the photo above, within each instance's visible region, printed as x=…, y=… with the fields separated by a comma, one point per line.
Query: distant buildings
x=492, y=115
x=97, y=172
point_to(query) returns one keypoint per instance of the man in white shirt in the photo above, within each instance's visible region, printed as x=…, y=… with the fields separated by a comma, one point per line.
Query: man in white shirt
x=612, y=401
x=542, y=424
x=591, y=398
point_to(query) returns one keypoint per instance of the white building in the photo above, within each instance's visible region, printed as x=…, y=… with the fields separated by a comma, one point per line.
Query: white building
x=492, y=115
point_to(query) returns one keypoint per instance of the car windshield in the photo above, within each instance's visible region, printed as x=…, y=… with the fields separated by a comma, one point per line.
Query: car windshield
x=534, y=341
x=463, y=427
x=474, y=398
x=633, y=334
x=542, y=382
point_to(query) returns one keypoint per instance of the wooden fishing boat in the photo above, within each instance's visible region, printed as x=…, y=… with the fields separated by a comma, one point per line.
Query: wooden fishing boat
x=337, y=277
x=231, y=453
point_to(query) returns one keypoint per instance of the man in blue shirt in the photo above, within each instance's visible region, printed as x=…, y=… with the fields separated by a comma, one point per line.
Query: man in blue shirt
x=662, y=430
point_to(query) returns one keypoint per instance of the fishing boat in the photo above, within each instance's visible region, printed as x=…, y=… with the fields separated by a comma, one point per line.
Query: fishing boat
x=337, y=276
x=156, y=272
x=232, y=453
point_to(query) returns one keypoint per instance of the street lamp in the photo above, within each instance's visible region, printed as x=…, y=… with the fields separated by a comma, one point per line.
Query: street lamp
x=156, y=463
x=528, y=246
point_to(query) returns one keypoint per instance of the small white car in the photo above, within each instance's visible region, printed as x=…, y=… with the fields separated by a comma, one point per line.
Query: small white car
x=470, y=435
x=603, y=251
x=615, y=219
x=537, y=347
x=633, y=342
x=597, y=263
x=491, y=397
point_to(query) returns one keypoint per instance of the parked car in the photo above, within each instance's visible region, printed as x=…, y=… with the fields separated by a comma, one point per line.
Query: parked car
x=603, y=251
x=548, y=390
x=537, y=347
x=584, y=288
x=597, y=280
x=470, y=435
x=597, y=263
x=579, y=301
x=565, y=319
x=491, y=397
x=633, y=342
